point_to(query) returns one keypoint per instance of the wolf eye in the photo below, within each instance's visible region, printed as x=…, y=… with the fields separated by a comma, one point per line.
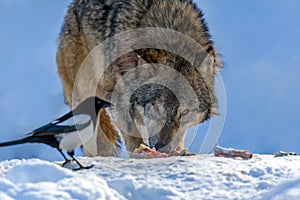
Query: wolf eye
x=186, y=111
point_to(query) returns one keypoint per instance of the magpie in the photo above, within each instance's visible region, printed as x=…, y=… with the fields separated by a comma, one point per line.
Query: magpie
x=69, y=131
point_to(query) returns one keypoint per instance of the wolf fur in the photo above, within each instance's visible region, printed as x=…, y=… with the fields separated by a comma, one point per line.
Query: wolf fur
x=90, y=22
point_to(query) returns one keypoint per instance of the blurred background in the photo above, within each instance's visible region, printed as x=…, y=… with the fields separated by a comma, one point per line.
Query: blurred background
x=259, y=41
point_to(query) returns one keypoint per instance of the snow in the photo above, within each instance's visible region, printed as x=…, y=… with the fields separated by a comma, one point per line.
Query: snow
x=194, y=177
x=37, y=179
x=288, y=190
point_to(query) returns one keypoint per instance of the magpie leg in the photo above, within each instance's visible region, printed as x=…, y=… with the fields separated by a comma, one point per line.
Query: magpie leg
x=80, y=165
x=66, y=159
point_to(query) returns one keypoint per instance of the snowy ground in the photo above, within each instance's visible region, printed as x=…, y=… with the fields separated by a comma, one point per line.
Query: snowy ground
x=197, y=177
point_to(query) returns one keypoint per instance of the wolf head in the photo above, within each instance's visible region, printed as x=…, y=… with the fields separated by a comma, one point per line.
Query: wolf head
x=162, y=110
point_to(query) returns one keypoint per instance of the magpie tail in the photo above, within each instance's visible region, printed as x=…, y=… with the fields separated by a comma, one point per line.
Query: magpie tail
x=14, y=142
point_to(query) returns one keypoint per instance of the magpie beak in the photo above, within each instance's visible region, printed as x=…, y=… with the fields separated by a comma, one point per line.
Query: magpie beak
x=69, y=131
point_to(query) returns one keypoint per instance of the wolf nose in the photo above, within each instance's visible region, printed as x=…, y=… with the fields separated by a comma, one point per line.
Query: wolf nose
x=152, y=141
x=158, y=146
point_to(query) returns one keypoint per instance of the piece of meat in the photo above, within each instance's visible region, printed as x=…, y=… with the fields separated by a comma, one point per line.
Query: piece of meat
x=233, y=153
x=144, y=151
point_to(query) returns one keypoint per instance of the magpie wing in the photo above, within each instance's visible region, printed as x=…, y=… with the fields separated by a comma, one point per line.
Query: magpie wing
x=58, y=129
x=53, y=123
x=54, y=127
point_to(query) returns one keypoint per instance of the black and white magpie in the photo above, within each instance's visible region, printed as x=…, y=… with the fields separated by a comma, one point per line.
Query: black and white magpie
x=69, y=131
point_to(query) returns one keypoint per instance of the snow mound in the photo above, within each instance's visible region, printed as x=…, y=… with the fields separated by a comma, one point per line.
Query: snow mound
x=194, y=177
x=36, y=171
x=37, y=179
